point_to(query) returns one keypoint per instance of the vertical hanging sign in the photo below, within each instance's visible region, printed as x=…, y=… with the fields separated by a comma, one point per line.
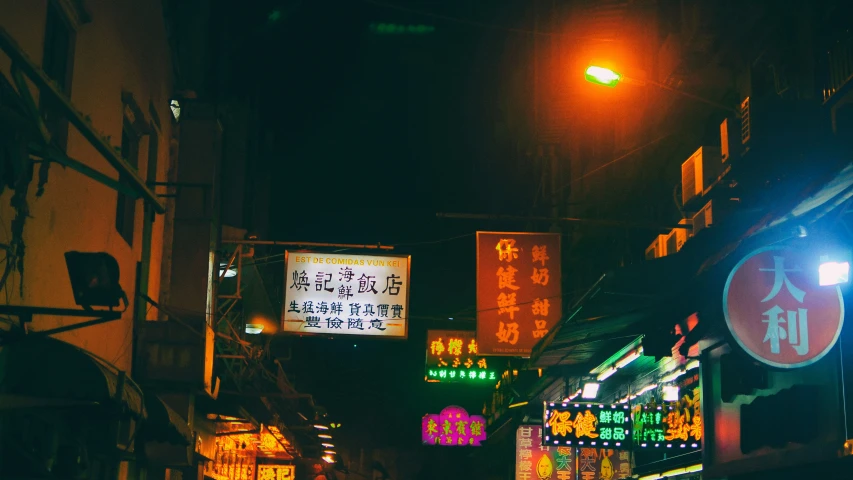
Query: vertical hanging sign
x=534, y=461
x=518, y=290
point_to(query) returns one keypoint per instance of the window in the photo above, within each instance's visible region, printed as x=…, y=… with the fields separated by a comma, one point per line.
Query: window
x=57, y=63
x=126, y=207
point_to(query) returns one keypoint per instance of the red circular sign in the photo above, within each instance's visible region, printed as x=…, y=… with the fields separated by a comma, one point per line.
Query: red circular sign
x=777, y=311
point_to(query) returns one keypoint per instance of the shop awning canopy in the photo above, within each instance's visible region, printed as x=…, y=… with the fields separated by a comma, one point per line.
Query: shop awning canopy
x=45, y=372
x=165, y=424
x=618, y=308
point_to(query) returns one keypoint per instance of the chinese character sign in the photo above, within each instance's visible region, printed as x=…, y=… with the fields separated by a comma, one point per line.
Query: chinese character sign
x=276, y=472
x=518, y=290
x=676, y=425
x=603, y=464
x=453, y=356
x=588, y=425
x=776, y=310
x=533, y=461
x=453, y=427
x=334, y=294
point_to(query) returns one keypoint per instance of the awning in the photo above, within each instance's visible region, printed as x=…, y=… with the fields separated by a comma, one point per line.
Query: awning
x=618, y=308
x=46, y=372
x=164, y=424
x=815, y=200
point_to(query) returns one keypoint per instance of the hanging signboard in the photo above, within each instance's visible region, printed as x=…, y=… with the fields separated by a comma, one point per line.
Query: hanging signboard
x=676, y=425
x=588, y=425
x=337, y=294
x=603, y=464
x=533, y=461
x=777, y=311
x=518, y=290
x=453, y=356
x=453, y=427
x=276, y=472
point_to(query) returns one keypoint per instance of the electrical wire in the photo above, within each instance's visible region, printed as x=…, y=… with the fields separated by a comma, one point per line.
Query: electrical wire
x=615, y=160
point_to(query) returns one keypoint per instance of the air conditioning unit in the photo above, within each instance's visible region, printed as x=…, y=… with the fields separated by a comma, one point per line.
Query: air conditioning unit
x=654, y=250
x=729, y=132
x=699, y=172
x=679, y=236
x=704, y=218
x=745, y=125
x=671, y=243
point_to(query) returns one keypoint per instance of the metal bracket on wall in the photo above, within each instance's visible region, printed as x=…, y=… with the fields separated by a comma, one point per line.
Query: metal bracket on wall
x=25, y=315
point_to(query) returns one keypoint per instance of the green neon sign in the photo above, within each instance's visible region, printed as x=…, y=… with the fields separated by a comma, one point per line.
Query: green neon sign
x=460, y=374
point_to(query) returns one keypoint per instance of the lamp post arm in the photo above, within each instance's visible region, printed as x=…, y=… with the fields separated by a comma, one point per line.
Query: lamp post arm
x=681, y=92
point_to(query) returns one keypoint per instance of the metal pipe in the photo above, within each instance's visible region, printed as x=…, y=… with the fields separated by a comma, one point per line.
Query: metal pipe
x=592, y=221
x=310, y=244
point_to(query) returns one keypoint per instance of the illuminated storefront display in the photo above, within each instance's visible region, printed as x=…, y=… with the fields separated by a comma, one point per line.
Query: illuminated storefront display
x=603, y=464
x=337, y=294
x=453, y=427
x=588, y=425
x=453, y=356
x=518, y=290
x=534, y=461
x=778, y=312
x=276, y=472
x=235, y=458
x=675, y=425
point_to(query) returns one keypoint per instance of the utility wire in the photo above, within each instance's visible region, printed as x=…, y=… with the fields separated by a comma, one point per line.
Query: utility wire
x=615, y=160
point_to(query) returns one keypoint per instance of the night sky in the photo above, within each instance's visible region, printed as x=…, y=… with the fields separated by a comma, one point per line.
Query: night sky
x=376, y=134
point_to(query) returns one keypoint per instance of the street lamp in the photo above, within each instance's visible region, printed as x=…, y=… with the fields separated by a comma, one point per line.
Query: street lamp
x=602, y=76
x=607, y=77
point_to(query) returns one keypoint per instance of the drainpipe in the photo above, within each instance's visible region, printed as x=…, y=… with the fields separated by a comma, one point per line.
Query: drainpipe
x=143, y=273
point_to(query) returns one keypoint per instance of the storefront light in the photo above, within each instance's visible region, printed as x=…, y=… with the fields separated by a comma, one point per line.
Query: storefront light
x=670, y=393
x=833, y=273
x=590, y=390
x=672, y=376
x=327, y=445
x=325, y=436
x=624, y=362
x=254, y=328
x=606, y=374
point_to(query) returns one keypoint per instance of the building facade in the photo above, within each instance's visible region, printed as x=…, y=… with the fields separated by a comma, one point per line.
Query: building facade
x=742, y=133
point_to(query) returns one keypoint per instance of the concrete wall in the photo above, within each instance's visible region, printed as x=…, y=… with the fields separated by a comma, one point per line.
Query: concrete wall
x=122, y=48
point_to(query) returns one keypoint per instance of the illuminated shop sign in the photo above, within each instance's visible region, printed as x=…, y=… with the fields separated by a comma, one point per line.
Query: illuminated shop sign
x=778, y=312
x=518, y=290
x=676, y=425
x=336, y=294
x=593, y=425
x=453, y=427
x=276, y=472
x=452, y=356
x=535, y=461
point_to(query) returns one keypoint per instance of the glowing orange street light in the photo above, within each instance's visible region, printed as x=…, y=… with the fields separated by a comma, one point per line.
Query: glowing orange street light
x=602, y=76
x=609, y=78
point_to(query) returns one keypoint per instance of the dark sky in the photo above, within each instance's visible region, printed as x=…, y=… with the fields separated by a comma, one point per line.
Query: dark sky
x=377, y=133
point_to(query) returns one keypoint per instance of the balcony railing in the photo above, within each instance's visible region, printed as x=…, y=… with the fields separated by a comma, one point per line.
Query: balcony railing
x=839, y=66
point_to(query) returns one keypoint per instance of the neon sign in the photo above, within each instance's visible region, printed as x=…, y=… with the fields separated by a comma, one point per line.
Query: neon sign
x=453, y=356
x=603, y=426
x=678, y=425
x=276, y=472
x=453, y=427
